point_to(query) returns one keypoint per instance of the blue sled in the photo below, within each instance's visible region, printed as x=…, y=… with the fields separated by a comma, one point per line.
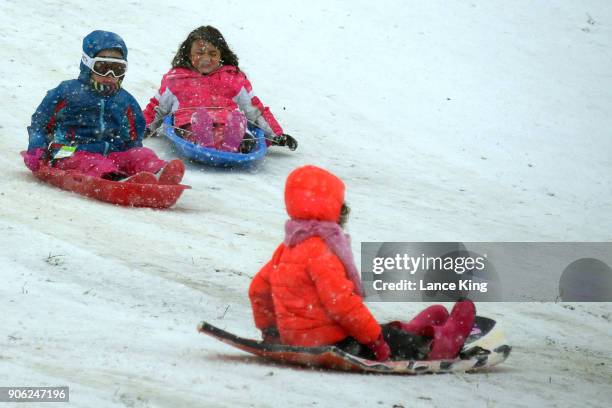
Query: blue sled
x=214, y=157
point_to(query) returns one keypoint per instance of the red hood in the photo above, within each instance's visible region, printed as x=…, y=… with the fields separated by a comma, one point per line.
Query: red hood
x=312, y=193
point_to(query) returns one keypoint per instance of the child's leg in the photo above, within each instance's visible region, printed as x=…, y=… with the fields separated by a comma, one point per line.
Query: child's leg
x=90, y=164
x=136, y=160
x=202, y=128
x=422, y=323
x=235, y=128
x=450, y=337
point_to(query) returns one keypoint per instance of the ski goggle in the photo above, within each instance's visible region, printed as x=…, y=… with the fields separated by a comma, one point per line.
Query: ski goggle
x=106, y=66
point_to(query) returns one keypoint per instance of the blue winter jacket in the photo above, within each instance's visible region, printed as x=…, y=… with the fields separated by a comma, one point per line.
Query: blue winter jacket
x=75, y=114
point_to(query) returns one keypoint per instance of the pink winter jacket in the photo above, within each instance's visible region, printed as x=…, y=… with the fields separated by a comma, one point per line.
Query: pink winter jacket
x=182, y=90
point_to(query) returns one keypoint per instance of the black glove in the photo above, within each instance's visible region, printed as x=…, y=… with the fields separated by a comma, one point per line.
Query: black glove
x=285, y=140
x=270, y=335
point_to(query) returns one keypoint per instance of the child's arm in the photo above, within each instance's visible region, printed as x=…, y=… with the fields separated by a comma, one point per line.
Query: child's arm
x=260, y=294
x=134, y=125
x=149, y=110
x=261, y=299
x=163, y=103
x=255, y=111
x=339, y=299
x=43, y=120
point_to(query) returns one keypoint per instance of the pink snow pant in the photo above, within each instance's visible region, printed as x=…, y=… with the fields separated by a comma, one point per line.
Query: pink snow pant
x=449, y=331
x=125, y=163
x=220, y=129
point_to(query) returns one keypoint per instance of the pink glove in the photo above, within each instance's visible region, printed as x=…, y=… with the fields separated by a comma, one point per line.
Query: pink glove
x=32, y=159
x=380, y=348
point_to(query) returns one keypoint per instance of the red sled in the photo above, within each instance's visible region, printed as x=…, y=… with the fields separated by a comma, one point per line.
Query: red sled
x=114, y=192
x=485, y=347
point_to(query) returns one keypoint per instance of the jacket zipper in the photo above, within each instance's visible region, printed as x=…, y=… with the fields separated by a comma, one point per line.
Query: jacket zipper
x=102, y=127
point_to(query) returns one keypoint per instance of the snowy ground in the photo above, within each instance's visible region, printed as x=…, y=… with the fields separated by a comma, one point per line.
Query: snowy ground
x=448, y=120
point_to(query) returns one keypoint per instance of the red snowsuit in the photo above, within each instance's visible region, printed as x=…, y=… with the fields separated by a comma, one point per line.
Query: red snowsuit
x=304, y=290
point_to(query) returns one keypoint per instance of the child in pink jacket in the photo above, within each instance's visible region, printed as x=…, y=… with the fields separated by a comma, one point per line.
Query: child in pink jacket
x=210, y=97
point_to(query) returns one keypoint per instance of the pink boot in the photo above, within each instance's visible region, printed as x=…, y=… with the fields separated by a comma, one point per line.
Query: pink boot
x=235, y=127
x=450, y=337
x=202, y=128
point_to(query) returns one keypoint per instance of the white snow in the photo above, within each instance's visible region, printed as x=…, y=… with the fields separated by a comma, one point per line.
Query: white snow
x=448, y=120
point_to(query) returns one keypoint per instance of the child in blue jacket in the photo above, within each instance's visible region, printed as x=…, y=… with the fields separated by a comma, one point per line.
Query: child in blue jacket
x=91, y=124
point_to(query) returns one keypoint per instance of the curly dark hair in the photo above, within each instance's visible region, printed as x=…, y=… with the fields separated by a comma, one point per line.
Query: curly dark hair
x=211, y=35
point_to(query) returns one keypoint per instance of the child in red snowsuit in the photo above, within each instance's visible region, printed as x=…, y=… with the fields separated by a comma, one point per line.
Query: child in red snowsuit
x=309, y=293
x=210, y=97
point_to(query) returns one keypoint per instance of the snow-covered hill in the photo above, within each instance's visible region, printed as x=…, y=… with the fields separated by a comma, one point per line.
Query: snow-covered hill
x=448, y=120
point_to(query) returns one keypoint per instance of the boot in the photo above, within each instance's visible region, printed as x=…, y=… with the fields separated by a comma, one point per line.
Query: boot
x=234, y=130
x=173, y=172
x=202, y=128
x=449, y=338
